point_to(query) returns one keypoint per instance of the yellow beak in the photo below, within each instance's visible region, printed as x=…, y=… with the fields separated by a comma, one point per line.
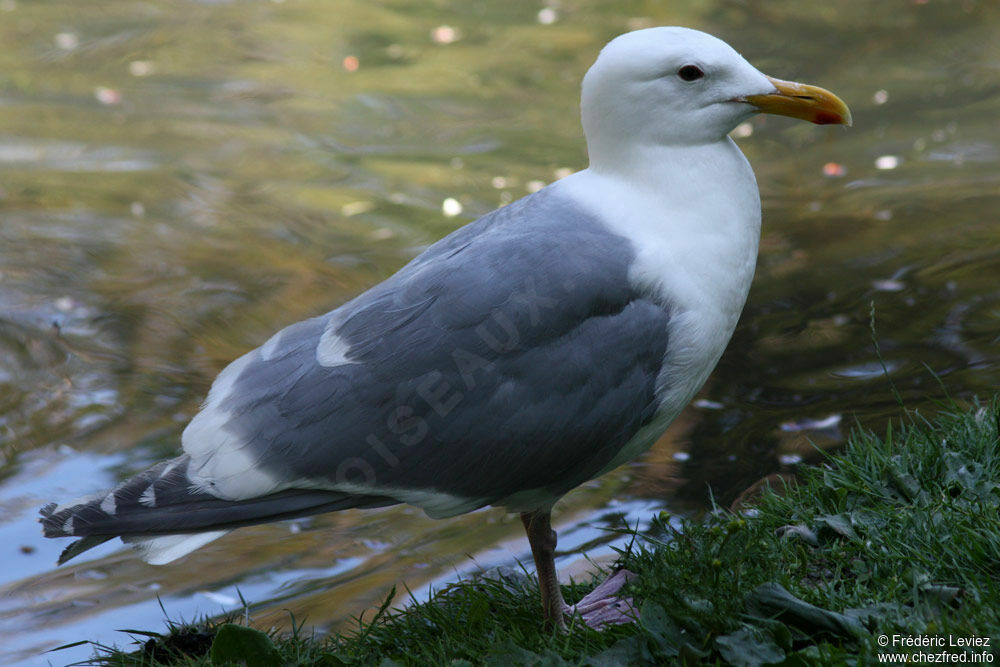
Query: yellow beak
x=799, y=100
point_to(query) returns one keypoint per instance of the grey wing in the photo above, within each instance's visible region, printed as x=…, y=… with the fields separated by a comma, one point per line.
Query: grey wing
x=507, y=358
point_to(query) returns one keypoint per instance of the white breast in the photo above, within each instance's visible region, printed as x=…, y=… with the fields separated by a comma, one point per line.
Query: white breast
x=693, y=216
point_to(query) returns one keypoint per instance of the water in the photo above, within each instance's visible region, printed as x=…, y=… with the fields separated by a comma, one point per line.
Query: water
x=180, y=180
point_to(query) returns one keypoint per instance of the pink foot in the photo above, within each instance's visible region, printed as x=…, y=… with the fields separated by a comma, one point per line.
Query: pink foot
x=602, y=606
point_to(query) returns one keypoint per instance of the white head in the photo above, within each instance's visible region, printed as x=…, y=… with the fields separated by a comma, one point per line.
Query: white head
x=676, y=86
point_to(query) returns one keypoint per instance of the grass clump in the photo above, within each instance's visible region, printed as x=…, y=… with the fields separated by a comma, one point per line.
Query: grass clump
x=898, y=535
x=489, y=620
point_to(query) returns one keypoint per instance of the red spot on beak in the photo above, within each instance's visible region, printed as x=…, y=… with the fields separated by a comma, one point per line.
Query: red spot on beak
x=825, y=118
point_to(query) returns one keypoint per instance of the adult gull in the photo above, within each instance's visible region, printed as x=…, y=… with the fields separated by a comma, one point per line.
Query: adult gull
x=527, y=352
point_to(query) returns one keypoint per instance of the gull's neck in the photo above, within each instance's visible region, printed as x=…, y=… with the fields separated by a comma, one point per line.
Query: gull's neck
x=666, y=166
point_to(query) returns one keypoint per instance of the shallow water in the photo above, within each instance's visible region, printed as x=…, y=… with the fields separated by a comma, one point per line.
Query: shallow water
x=180, y=180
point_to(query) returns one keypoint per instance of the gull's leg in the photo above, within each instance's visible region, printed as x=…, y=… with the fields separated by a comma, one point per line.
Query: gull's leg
x=542, y=539
x=601, y=607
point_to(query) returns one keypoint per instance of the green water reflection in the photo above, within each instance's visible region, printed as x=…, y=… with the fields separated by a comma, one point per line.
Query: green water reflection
x=179, y=180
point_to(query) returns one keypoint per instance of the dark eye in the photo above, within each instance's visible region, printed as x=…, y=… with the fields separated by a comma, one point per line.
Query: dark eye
x=690, y=73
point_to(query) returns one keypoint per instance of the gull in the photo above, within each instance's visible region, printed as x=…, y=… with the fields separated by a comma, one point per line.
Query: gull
x=536, y=348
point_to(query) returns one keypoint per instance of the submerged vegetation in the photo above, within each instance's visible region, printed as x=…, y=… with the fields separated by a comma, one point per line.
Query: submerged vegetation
x=894, y=542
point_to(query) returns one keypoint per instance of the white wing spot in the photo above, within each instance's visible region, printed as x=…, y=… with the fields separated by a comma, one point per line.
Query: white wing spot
x=148, y=497
x=332, y=350
x=68, y=526
x=108, y=505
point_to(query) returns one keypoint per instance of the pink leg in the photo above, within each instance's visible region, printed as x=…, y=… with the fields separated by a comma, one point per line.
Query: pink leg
x=602, y=606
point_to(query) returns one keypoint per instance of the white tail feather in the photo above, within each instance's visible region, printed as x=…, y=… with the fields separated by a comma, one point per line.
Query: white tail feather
x=163, y=549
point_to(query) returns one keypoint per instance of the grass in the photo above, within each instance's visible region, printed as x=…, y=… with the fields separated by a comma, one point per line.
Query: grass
x=897, y=535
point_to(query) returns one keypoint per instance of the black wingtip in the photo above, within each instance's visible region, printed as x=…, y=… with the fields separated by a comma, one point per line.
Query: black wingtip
x=79, y=546
x=50, y=526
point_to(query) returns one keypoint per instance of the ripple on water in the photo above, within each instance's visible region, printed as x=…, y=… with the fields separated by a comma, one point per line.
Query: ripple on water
x=48, y=155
